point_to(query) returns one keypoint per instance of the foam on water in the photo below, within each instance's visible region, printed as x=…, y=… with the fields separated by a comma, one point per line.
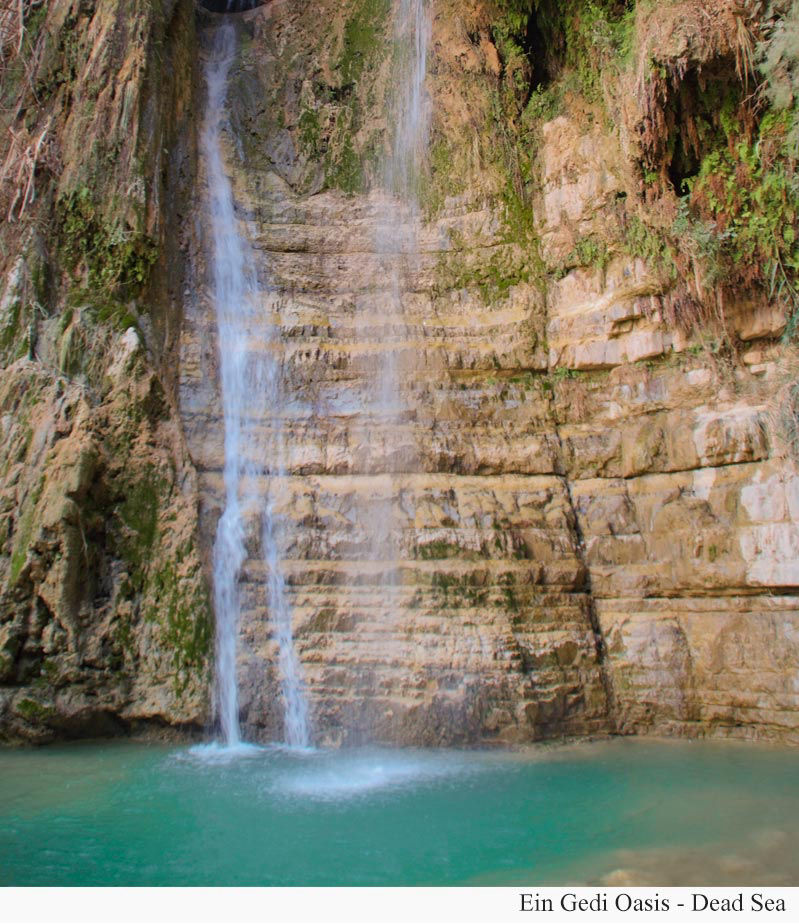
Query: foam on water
x=340, y=776
x=616, y=812
x=219, y=753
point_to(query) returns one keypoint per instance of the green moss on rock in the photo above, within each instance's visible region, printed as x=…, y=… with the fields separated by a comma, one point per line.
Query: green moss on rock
x=363, y=38
x=117, y=259
x=138, y=514
x=183, y=612
x=24, y=532
x=34, y=712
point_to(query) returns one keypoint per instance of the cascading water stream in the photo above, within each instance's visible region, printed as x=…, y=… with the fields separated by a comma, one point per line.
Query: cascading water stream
x=252, y=403
x=399, y=219
x=397, y=244
x=403, y=167
x=397, y=231
x=250, y=372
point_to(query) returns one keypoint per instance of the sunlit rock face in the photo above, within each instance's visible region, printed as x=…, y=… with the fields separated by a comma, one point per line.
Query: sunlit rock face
x=591, y=528
x=685, y=498
x=569, y=516
x=477, y=623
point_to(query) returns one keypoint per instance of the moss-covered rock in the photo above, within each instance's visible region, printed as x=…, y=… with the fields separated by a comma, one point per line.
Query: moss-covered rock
x=96, y=487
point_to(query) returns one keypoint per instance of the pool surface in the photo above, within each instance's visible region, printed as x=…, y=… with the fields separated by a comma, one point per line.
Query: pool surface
x=618, y=812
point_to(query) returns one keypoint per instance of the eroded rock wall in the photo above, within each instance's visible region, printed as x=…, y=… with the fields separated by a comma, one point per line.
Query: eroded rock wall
x=104, y=618
x=595, y=516
x=590, y=488
x=685, y=502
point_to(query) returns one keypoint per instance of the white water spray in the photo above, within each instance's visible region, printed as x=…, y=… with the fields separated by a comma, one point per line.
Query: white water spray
x=397, y=241
x=252, y=403
x=398, y=224
x=403, y=168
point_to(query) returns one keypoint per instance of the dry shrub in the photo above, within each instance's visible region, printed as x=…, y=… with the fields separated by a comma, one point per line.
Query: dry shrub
x=26, y=154
x=26, y=149
x=698, y=122
x=13, y=15
x=682, y=39
x=779, y=54
x=12, y=27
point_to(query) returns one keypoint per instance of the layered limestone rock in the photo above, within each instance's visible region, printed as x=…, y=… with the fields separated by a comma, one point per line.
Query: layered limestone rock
x=479, y=626
x=576, y=514
x=104, y=617
x=684, y=495
x=592, y=525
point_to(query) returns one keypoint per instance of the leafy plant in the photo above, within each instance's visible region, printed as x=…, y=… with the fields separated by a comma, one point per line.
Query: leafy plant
x=116, y=259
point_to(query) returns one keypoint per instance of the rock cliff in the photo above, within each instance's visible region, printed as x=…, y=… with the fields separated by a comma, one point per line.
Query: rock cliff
x=104, y=618
x=590, y=484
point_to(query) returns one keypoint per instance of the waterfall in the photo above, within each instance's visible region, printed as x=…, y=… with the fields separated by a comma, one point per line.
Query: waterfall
x=397, y=245
x=399, y=217
x=411, y=105
x=252, y=401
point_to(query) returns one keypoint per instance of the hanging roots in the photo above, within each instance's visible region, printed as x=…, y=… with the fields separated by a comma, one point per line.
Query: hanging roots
x=13, y=14
x=18, y=172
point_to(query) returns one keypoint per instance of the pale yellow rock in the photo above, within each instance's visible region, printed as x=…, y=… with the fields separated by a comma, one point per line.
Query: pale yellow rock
x=586, y=526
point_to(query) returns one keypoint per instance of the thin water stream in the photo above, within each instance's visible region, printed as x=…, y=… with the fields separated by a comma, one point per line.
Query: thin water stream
x=251, y=383
x=252, y=402
x=398, y=216
x=396, y=244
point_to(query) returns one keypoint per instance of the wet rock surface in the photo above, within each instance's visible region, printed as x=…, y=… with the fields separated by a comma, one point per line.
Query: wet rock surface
x=105, y=626
x=579, y=517
x=591, y=527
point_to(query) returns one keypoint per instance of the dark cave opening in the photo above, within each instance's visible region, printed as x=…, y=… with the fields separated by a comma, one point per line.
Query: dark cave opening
x=230, y=6
x=538, y=51
x=698, y=112
x=547, y=39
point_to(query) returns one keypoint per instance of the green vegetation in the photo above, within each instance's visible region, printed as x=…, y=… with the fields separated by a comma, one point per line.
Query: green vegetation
x=363, y=35
x=544, y=104
x=310, y=132
x=590, y=251
x=138, y=517
x=171, y=586
x=34, y=712
x=492, y=274
x=117, y=260
x=186, y=622
x=580, y=40
x=779, y=63
x=441, y=179
x=437, y=551
x=343, y=167
x=563, y=373
x=24, y=532
x=650, y=245
x=599, y=41
x=749, y=194
x=507, y=584
x=461, y=589
x=737, y=226
x=347, y=152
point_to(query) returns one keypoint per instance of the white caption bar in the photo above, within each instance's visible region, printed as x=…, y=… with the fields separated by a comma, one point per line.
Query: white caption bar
x=371, y=906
